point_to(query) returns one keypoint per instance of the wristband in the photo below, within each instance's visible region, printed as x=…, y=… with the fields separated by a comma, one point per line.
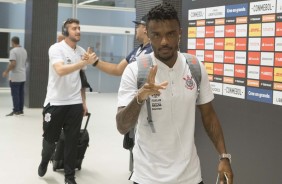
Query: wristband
x=225, y=155
x=96, y=62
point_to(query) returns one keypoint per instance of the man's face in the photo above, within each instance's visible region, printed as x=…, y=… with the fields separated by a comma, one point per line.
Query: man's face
x=74, y=32
x=140, y=32
x=164, y=36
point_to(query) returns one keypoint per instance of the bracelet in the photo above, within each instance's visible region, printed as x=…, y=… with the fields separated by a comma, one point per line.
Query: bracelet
x=139, y=103
x=96, y=62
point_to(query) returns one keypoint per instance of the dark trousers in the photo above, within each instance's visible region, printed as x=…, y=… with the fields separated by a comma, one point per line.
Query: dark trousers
x=17, y=92
x=68, y=117
x=199, y=183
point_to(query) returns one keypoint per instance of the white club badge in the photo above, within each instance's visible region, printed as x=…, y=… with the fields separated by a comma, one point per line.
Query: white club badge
x=47, y=117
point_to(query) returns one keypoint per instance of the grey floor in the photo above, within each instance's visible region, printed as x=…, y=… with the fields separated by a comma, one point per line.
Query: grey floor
x=105, y=161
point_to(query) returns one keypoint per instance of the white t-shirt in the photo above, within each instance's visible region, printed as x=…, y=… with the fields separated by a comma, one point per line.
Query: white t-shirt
x=64, y=90
x=169, y=155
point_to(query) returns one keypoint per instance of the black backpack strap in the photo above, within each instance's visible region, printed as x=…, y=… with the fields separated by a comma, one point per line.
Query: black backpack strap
x=84, y=82
x=195, y=69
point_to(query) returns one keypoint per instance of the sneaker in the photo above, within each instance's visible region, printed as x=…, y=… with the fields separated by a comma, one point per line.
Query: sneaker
x=42, y=169
x=70, y=181
x=11, y=114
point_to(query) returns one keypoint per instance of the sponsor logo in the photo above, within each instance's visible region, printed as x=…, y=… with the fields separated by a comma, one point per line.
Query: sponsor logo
x=254, y=30
x=254, y=58
x=253, y=72
x=229, y=57
x=253, y=83
x=277, y=86
x=219, y=31
x=200, y=43
x=241, y=44
x=240, y=71
x=279, y=6
x=192, y=32
x=218, y=69
x=192, y=43
x=254, y=44
x=196, y=14
x=277, y=98
x=230, y=31
x=209, y=68
x=219, y=43
x=229, y=44
x=241, y=20
x=218, y=56
x=268, y=29
x=268, y=18
x=240, y=57
x=201, y=22
x=241, y=30
x=192, y=52
x=267, y=44
x=219, y=21
x=278, y=59
x=278, y=29
x=229, y=70
x=200, y=54
x=234, y=91
x=266, y=73
x=278, y=74
x=209, y=55
x=216, y=88
x=262, y=7
x=260, y=95
x=210, y=31
x=215, y=12
x=267, y=58
x=278, y=44
x=200, y=32
x=228, y=80
x=209, y=43
x=237, y=10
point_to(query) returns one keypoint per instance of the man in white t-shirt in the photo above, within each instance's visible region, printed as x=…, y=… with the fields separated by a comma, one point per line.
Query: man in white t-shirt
x=165, y=151
x=65, y=105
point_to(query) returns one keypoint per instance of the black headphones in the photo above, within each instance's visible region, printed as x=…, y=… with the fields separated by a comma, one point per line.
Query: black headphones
x=65, y=29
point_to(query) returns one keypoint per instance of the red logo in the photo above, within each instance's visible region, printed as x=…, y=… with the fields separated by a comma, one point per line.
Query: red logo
x=254, y=58
x=192, y=52
x=230, y=30
x=219, y=44
x=218, y=69
x=241, y=44
x=209, y=55
x=240, y=71
x=266, y=73
x=278, y=59
x=200, y=43
x=279, y=29
x=229, y=57
x=210, y=31
x=267, y=44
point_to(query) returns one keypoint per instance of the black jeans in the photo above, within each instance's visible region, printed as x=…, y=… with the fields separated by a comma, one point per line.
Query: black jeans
x=199, y=183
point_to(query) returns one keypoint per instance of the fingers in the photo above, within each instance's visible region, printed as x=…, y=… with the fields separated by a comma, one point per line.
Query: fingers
x=152, y=74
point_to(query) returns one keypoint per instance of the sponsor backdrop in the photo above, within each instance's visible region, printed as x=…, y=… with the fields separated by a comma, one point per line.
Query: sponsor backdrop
x=240, y=43
x=241, y=47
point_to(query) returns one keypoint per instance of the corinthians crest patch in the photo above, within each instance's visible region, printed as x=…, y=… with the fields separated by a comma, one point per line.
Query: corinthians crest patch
x=189, y=83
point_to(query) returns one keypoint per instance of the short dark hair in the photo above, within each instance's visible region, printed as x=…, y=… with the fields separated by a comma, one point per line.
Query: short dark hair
x=70, y=21
x=16, y=40
x=162, y=12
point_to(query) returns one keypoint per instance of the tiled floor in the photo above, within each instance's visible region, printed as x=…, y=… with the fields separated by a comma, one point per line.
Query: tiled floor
x=106, y=162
